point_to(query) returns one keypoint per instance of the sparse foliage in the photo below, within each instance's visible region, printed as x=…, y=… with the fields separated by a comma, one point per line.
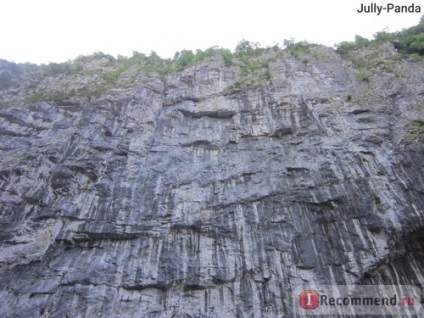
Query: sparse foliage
x=363, y=76
x=296, y=47
x=245, y=47
x=407, y=41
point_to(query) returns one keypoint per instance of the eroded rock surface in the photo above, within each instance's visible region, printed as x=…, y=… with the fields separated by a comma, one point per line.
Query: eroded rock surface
x=196, y=197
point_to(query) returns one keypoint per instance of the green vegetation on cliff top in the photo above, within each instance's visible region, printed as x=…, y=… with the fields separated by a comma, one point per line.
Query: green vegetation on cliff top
x=110, y=72
x=408, y=41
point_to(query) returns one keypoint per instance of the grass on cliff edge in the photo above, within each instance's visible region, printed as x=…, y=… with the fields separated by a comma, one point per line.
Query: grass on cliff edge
x=408, y=41
x=247, y=55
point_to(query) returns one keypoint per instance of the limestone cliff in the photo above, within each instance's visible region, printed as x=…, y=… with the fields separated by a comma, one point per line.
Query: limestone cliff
x=211, y=192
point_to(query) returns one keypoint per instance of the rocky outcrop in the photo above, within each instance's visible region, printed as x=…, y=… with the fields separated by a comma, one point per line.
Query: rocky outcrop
x=204, y=195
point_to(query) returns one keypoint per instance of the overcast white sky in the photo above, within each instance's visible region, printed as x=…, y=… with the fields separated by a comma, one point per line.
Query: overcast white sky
x=42, y=31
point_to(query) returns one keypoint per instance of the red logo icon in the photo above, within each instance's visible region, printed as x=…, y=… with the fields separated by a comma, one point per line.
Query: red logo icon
x=309, y=299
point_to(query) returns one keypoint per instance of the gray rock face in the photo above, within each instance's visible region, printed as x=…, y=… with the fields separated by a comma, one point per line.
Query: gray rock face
x=196, y=197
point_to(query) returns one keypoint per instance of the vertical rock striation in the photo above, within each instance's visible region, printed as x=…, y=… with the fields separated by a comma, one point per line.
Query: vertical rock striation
x=201, y=196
